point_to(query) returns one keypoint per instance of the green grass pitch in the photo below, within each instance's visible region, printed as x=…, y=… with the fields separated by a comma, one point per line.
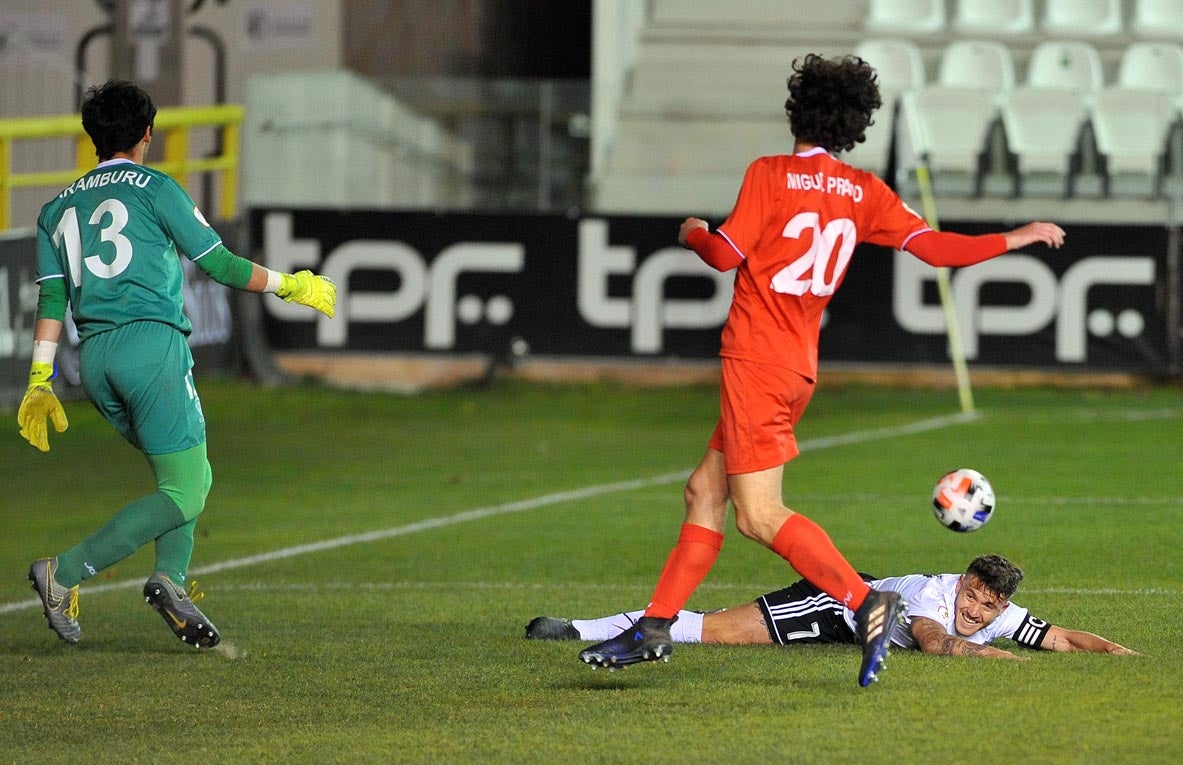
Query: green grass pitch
x=488, y=507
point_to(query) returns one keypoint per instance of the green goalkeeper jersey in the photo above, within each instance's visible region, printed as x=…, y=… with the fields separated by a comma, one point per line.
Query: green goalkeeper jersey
x=113, y=236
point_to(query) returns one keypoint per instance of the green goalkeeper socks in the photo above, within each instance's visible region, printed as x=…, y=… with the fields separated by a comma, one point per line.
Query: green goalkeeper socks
x=132, y=527
x=174, y=549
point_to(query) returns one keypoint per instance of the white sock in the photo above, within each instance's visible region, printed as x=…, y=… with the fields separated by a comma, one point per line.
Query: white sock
x=688, y=628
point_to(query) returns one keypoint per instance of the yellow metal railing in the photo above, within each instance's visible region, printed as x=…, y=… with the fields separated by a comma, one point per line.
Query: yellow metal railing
x=173, y=123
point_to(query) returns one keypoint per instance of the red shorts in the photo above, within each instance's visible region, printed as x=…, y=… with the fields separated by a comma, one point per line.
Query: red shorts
x=759, y=406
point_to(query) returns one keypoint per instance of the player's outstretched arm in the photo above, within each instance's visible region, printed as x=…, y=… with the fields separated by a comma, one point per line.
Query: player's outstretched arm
x=1035, y=233
x=933, y=638
x=303, y=287
x=1060, y=639
x=952, y=250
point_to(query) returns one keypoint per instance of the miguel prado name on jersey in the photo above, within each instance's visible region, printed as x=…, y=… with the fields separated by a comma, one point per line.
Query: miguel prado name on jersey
x=831, y=184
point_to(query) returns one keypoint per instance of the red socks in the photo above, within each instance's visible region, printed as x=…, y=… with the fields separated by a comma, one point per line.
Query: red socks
x=687, y=566
x=808, y=548
x=800, y=541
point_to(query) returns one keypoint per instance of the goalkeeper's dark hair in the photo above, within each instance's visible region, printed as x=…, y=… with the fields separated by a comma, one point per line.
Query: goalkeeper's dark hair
x=115, y=116
x=996, y=574
x=831, y=101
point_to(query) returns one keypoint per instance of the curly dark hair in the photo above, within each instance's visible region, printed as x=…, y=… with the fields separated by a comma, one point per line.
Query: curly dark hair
x=115, y=116
x=831, y=101
x=996, y=574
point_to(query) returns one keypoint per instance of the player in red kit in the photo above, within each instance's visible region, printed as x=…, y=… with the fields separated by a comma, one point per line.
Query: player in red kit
x=790, y=238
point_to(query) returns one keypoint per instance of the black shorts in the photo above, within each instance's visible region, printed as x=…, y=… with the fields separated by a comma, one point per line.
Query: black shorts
x=801, y=613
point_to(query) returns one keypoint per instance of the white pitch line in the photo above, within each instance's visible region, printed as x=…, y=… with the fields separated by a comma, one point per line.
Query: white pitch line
x=825, y=442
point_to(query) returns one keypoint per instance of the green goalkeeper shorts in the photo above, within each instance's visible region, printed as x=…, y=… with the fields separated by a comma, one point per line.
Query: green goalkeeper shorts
x=140, y=377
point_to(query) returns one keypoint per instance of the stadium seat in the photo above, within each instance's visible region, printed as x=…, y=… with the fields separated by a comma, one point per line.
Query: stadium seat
x=899, y=63
x=1154, y=65
x=1161, y=19
x=1043, y=127
x=1082, y=18
x=905, y=17
x=983, y=64
x=948, y=127
x=900, y=67
x=1159, y=66
x=950, y=123
x=994, y=17
x=1073, y=68
x=1068, y=65
x=1131, y=127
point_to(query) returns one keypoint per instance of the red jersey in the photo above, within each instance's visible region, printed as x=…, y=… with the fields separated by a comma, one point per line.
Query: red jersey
x=795, y=224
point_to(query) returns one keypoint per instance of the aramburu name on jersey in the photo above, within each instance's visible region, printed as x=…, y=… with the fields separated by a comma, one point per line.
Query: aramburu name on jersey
x=831, y=184
x=102, y=179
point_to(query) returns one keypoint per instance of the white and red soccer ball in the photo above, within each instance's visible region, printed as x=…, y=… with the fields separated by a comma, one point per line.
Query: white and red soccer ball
x=963, y=500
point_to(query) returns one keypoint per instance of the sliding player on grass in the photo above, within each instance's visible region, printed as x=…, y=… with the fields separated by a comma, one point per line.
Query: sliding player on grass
x=947, y=614
x=790, y=238
x=108, y=244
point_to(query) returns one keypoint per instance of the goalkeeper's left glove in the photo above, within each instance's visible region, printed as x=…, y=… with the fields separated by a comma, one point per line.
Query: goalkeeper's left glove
x=39, y=404
x=307, y=288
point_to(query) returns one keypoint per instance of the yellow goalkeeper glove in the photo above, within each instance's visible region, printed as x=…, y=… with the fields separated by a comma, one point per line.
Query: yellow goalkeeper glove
x=307, y=288
x=39, y=404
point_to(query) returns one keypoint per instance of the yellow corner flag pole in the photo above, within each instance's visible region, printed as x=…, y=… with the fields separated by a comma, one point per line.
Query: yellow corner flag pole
x=960, y=369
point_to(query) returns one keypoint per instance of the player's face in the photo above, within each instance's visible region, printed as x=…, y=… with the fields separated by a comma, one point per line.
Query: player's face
x=975, y=606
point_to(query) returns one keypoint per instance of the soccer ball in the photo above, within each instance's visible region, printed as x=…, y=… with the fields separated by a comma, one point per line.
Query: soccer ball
x=963, y=500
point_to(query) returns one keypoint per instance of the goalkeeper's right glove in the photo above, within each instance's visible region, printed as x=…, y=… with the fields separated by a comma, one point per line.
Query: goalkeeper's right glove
x=38, y=404
x=307, y=288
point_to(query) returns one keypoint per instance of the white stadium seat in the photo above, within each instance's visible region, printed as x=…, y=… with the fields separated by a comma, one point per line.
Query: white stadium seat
x=1082, y=18
x=899, y=63
x=1067, y=64
x=1161, y=19
x=948, y=127
x=905, y=17
x=994, y=17
x=1068, y=74
x=1159, y=66
x=1131, y=126
x=1043, y=131
x=984, y=64
x=949, y=122
x=1154, y=65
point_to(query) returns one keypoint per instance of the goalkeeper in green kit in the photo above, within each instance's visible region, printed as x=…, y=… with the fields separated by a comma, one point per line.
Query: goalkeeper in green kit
x=110, y=245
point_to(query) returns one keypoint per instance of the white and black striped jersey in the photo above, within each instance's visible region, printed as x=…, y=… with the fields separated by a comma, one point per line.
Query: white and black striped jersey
x=933, y=597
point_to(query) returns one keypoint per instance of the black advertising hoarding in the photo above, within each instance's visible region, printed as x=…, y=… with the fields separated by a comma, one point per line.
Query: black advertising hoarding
x=18, y=310
x=473, y=283
x=1099, y=303
x=621, y=287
